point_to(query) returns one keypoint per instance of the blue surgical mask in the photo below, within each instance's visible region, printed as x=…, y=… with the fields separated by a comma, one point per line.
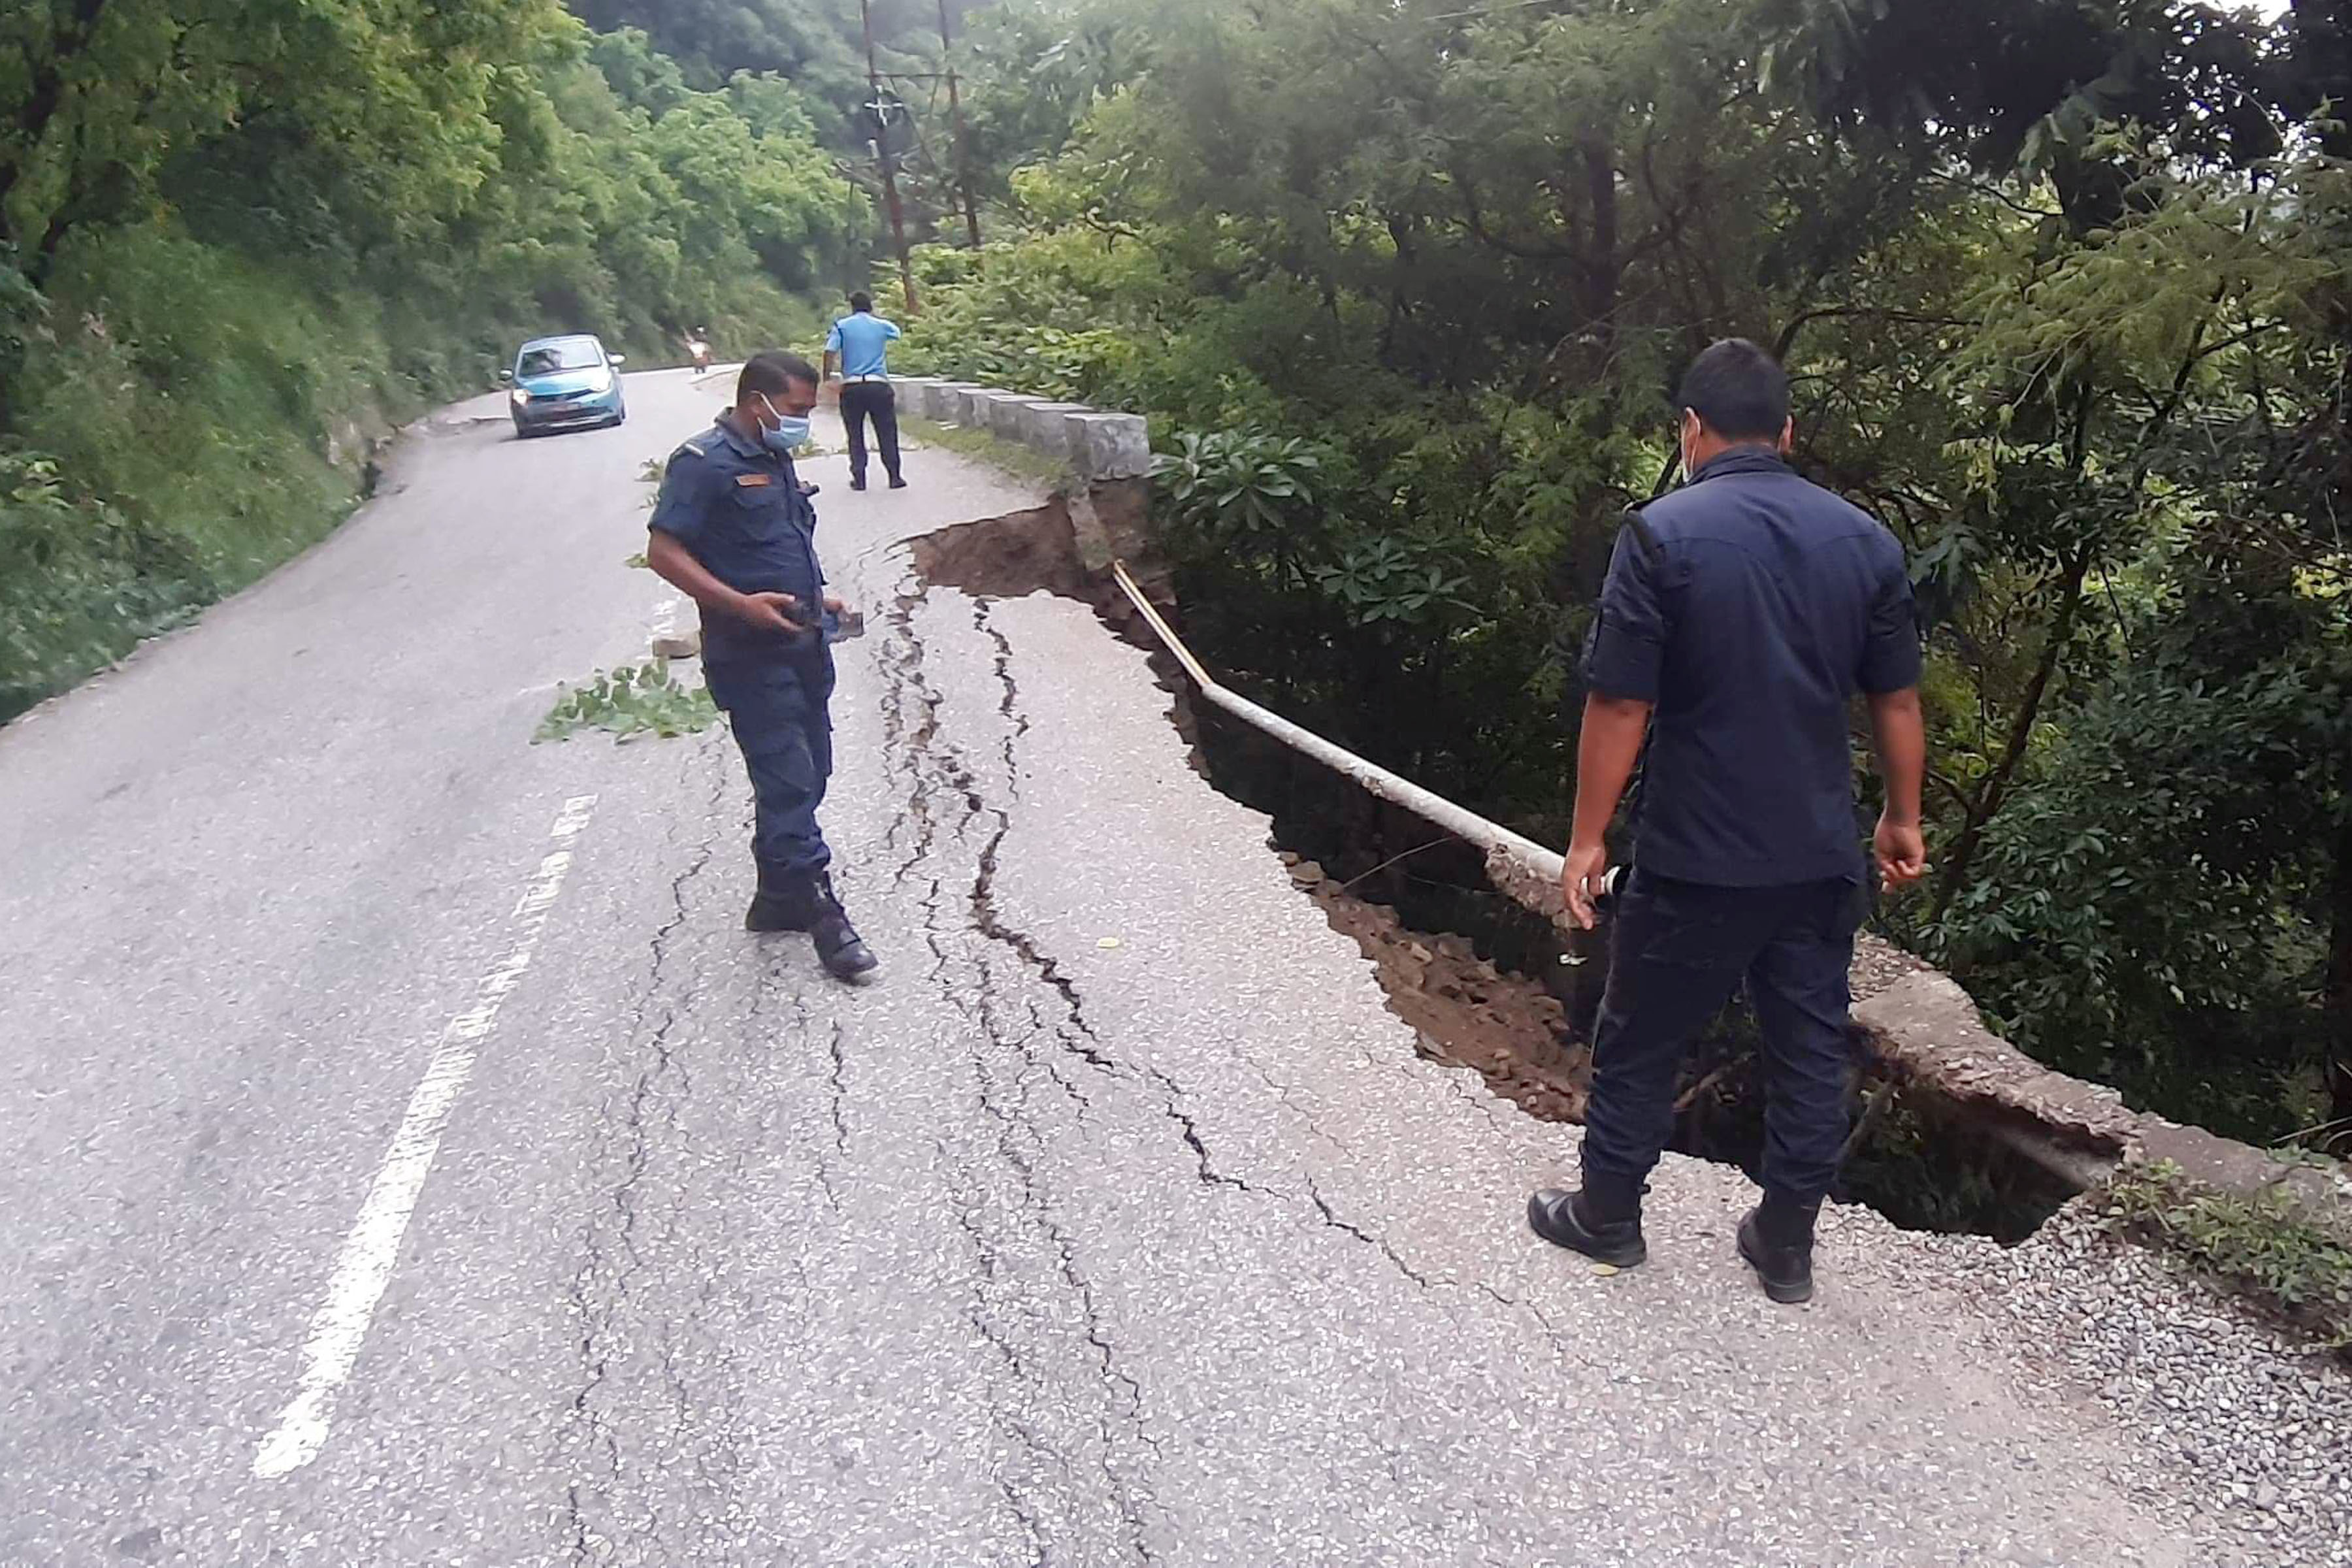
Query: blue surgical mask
x=791, y=431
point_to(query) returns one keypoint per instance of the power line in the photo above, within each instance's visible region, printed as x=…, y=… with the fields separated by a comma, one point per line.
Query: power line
x=883, y=155
x=1486, y=10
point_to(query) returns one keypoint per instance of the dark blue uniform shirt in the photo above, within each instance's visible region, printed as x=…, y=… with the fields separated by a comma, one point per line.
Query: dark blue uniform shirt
x=1758, y=608
x=738, y=507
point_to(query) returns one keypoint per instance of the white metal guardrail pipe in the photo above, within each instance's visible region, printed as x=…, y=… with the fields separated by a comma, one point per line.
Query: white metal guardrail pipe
x=1535, y=861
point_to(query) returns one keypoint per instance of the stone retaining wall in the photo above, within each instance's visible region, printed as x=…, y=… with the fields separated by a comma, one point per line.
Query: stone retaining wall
x=1920, y=1022
x=1098, y=446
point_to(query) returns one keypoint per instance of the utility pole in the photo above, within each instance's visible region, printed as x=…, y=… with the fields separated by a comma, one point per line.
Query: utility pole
x=963, y=158
x=882, y=155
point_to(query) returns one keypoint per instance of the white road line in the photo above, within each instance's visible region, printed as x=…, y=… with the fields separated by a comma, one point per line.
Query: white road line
x=363, y=1267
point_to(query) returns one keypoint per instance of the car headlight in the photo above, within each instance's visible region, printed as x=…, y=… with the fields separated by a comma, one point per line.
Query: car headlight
x=520, y=397
x=601, y=382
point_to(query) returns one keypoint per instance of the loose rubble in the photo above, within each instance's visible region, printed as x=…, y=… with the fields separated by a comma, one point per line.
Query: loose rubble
x=1466, y=1012
x=2260, y=1418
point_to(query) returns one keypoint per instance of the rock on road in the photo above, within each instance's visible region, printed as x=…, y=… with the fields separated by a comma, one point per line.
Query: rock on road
x=1118, y=1223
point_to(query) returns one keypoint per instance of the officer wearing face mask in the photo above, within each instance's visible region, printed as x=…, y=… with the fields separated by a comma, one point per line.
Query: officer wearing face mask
x=735, y=531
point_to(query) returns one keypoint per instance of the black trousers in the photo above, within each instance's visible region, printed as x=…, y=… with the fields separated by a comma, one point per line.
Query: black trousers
x=1677, y=952
x=878, y=401
x=783, y=720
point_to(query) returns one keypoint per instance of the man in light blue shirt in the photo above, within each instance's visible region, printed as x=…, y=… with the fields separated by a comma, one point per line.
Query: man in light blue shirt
x=858, y=351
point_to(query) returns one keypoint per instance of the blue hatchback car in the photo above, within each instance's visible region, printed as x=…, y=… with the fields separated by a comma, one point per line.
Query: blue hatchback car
x=565, y=384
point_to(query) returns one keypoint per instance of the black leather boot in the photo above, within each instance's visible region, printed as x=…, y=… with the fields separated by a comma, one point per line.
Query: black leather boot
x=782, y=903
x=1602, y=1220
x=1777, y=1240
x=838, y=946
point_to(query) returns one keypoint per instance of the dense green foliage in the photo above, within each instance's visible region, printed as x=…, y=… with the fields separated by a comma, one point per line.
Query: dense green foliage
x=2064, y=286
x=817, y=50
x=236, y=238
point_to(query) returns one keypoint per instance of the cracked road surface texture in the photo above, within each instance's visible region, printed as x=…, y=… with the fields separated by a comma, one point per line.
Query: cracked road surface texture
x=1119, y=1224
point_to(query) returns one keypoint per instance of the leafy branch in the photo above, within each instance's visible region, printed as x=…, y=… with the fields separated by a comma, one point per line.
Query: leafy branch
x=629, y=703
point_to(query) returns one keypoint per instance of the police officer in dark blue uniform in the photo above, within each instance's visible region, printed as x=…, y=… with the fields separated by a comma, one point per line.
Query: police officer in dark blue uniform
x=735, y=530
x=1741, y=615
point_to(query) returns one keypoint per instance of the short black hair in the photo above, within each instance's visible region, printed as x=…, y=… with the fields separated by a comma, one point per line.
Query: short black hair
x=1738, y=390
x=773, y=370
x=861, y=300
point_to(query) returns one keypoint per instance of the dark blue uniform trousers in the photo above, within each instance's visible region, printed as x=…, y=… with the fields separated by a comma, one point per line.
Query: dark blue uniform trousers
x=778, y=710
x=1678, y=952
x=876, y=401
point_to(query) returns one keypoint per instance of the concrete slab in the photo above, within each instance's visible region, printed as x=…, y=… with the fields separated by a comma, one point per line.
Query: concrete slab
x=1045, y=428
x=1111, y=445
x=1003, y=413
x=963, y=404
x=917, y=395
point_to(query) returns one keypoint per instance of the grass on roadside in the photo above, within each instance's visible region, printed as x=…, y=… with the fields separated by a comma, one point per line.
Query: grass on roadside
x=2264, y=1245
x=981, y=446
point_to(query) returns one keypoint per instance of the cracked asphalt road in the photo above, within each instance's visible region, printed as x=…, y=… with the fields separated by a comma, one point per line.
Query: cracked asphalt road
x=1119, y=1224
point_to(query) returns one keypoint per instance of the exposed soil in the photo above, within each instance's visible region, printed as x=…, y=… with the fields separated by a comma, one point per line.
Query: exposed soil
x=1466, y=1012
x=1008, y=557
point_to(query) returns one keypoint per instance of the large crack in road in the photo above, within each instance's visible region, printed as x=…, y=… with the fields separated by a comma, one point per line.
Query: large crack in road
x=957, y=1183
x=1014, y=998
x=1073, y=1033
x=615, y=1256
x=1029, y=1023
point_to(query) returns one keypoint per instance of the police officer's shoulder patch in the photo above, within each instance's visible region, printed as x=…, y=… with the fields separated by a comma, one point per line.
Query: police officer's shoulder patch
x=697, y=447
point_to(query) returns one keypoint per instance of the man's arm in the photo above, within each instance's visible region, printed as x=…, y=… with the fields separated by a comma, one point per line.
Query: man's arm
x=1622, y=671
x=1902, y=741
x=676, y=565
x=1614, y=728
x=1889, y=677
x=832, y=350
x=831, y=360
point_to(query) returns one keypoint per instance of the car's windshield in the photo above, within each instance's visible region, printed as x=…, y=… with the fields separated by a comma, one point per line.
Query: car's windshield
x=571, y=353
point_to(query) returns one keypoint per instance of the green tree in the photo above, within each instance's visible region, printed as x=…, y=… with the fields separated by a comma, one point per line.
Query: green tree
x=290, y=221
x=2060, y=284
